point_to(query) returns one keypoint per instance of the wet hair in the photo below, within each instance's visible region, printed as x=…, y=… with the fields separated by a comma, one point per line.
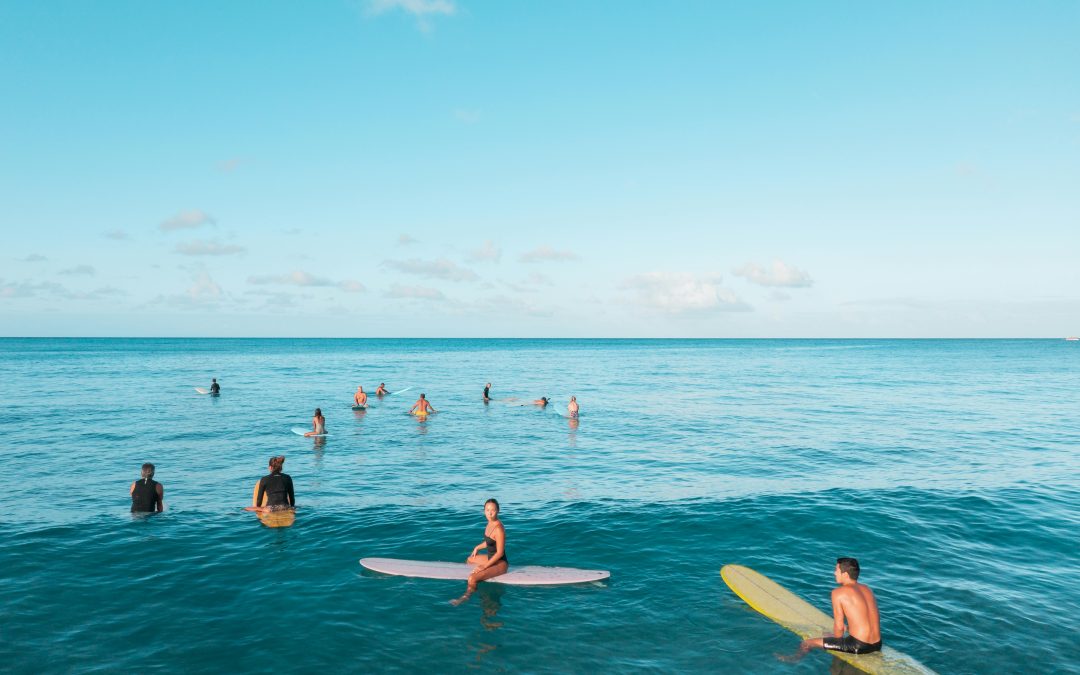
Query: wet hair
x=213, y=379
x=276, y=463
x=423, y=395
x=147, y=471
x=850, y=566
x=318, y=412
x=493, y=501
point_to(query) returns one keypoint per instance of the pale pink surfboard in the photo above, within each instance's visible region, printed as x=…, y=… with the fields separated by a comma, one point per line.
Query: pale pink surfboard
x=518, y=575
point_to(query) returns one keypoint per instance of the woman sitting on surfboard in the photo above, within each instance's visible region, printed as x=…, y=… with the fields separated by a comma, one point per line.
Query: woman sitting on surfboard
x=422, y=408
x=572, y=407
x=495, y=562
x=274, y=492
x=318, y=424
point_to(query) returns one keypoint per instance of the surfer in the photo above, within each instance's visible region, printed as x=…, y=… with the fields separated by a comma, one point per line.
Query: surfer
x=360, y=398
x=215, y=388
x=542, y=401
x=422, y=407
x=318, y=424
x=495, y=561
x=381, y=391
x=274, y=491
x=147, y=495
x=572, y=407
x=487, y=392
x=854, y=603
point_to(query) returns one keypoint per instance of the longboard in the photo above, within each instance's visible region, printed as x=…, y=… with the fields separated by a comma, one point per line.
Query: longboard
x=518, y=575
x=800, y=617
x=282, y=518
x=300, y=431
x=202, y=391
x=359, y=407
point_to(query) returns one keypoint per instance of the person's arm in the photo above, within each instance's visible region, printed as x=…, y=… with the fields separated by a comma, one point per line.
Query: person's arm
x=292, y=497
x=260, y=492
x=838, y=614
x=160, y=498
x=499, y=536
x=132, y=490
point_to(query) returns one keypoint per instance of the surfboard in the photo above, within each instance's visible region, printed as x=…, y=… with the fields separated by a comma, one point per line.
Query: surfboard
x=300, y=431
x=282, y=518
x=800, y=617
x=399, y=391
x=202, y=391
x=359, y=407
x=518, y=575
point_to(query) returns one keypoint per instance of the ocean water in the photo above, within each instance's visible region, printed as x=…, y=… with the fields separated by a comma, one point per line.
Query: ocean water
x=950, y=468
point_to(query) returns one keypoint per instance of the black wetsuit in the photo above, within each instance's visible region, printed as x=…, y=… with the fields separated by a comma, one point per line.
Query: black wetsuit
x=486, y=397
x=144, y=498
x=215, y=389
x=278, y=489
x=850, y=644
x=492, y=547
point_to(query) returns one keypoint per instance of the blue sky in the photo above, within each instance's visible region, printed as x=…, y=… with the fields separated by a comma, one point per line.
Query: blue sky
x=465, y=168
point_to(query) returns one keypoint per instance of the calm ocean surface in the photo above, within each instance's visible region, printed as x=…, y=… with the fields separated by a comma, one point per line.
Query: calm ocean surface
x=950, y=468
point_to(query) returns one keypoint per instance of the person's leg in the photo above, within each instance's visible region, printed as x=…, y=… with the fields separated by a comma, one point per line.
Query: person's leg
x=476, y=577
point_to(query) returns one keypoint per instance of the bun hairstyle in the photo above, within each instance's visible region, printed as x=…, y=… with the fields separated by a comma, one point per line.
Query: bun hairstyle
x=276, y=463
x=147, y=471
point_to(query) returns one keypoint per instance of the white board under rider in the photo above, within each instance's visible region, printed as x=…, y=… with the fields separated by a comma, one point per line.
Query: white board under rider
x=518, y=575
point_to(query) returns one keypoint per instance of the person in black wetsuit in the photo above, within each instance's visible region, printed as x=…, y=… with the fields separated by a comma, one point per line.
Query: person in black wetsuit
x=495, y=562
x=215, y=388
x=274, y=491
x=487, y=392
x=147, y=495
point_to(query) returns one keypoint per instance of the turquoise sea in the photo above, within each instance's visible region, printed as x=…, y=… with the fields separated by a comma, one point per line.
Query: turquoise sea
x=950, y=468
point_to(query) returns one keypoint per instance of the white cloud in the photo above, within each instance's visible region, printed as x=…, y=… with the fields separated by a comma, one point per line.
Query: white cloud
x=117, y=235
x=186, y=220
x=229, y=165
x=200, y=247
x=418, y=8
x=435, y=269
x=545, y=253
x=86, y=270
x=405, y=240
x=531, y=284
x=204, y=289
x=467, y=116
x=29, y=289
x=675, y=293
x=780, y=274
x=415, y=293
x=35, y=257
x=489, y=252
x=306, y=280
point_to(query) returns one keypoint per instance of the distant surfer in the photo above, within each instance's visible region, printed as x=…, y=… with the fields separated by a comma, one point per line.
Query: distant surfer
x=360, y=398
x=495, y=561
x=274, y=492
x=381, y=391
x=422, y=406
x=487, y=392
x=572, y=407
x=542, y=401
x=147, y=495
x=215, y=388
x=853, y=603
x=318, y=424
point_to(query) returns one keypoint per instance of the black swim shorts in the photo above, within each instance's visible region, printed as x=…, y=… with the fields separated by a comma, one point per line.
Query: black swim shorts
x=850, y=645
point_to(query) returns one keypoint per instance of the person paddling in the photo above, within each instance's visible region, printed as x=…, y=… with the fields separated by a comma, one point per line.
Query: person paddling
x=854, y=604
x=147, y=495
x=495, y=561
x=422, y=406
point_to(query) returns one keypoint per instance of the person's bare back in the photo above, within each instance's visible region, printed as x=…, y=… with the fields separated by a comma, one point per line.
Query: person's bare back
x=860, y=610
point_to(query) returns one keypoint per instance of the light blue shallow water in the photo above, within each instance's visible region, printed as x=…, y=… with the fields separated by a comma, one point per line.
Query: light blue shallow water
x=949, y=468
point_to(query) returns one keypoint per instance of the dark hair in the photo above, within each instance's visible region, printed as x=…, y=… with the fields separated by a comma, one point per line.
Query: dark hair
x=147, y=471
x=276, y=463
x=423, y=395
x=850, y=566
x=318, y=412
x=213, y=379
x=493, y=501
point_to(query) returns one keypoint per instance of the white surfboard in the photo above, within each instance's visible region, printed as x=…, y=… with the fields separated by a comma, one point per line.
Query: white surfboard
x=202, y=391
x=300, y=431
x=518, y=575
x=399, y=391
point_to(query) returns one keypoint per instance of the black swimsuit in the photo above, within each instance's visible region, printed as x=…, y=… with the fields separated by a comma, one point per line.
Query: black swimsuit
x=492, y=547
x=850, y=644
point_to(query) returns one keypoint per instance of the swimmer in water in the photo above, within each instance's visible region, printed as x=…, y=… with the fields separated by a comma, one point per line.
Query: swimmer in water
x=487, y=392
x=360, y=398
x=381, y=391
x=215, y=388
x=495, y=561
x=318, y=424
x=422, y=407
x=854, y=604
x=542, y=401
x=572, y=407
x=147, y=495
x=274, y=492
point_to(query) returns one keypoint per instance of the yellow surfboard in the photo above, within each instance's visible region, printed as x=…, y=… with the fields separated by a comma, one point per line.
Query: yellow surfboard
x=282, y=518
x=807, y=621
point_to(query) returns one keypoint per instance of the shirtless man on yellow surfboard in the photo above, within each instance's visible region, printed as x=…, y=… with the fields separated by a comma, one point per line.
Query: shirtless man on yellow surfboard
x=853, y=603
